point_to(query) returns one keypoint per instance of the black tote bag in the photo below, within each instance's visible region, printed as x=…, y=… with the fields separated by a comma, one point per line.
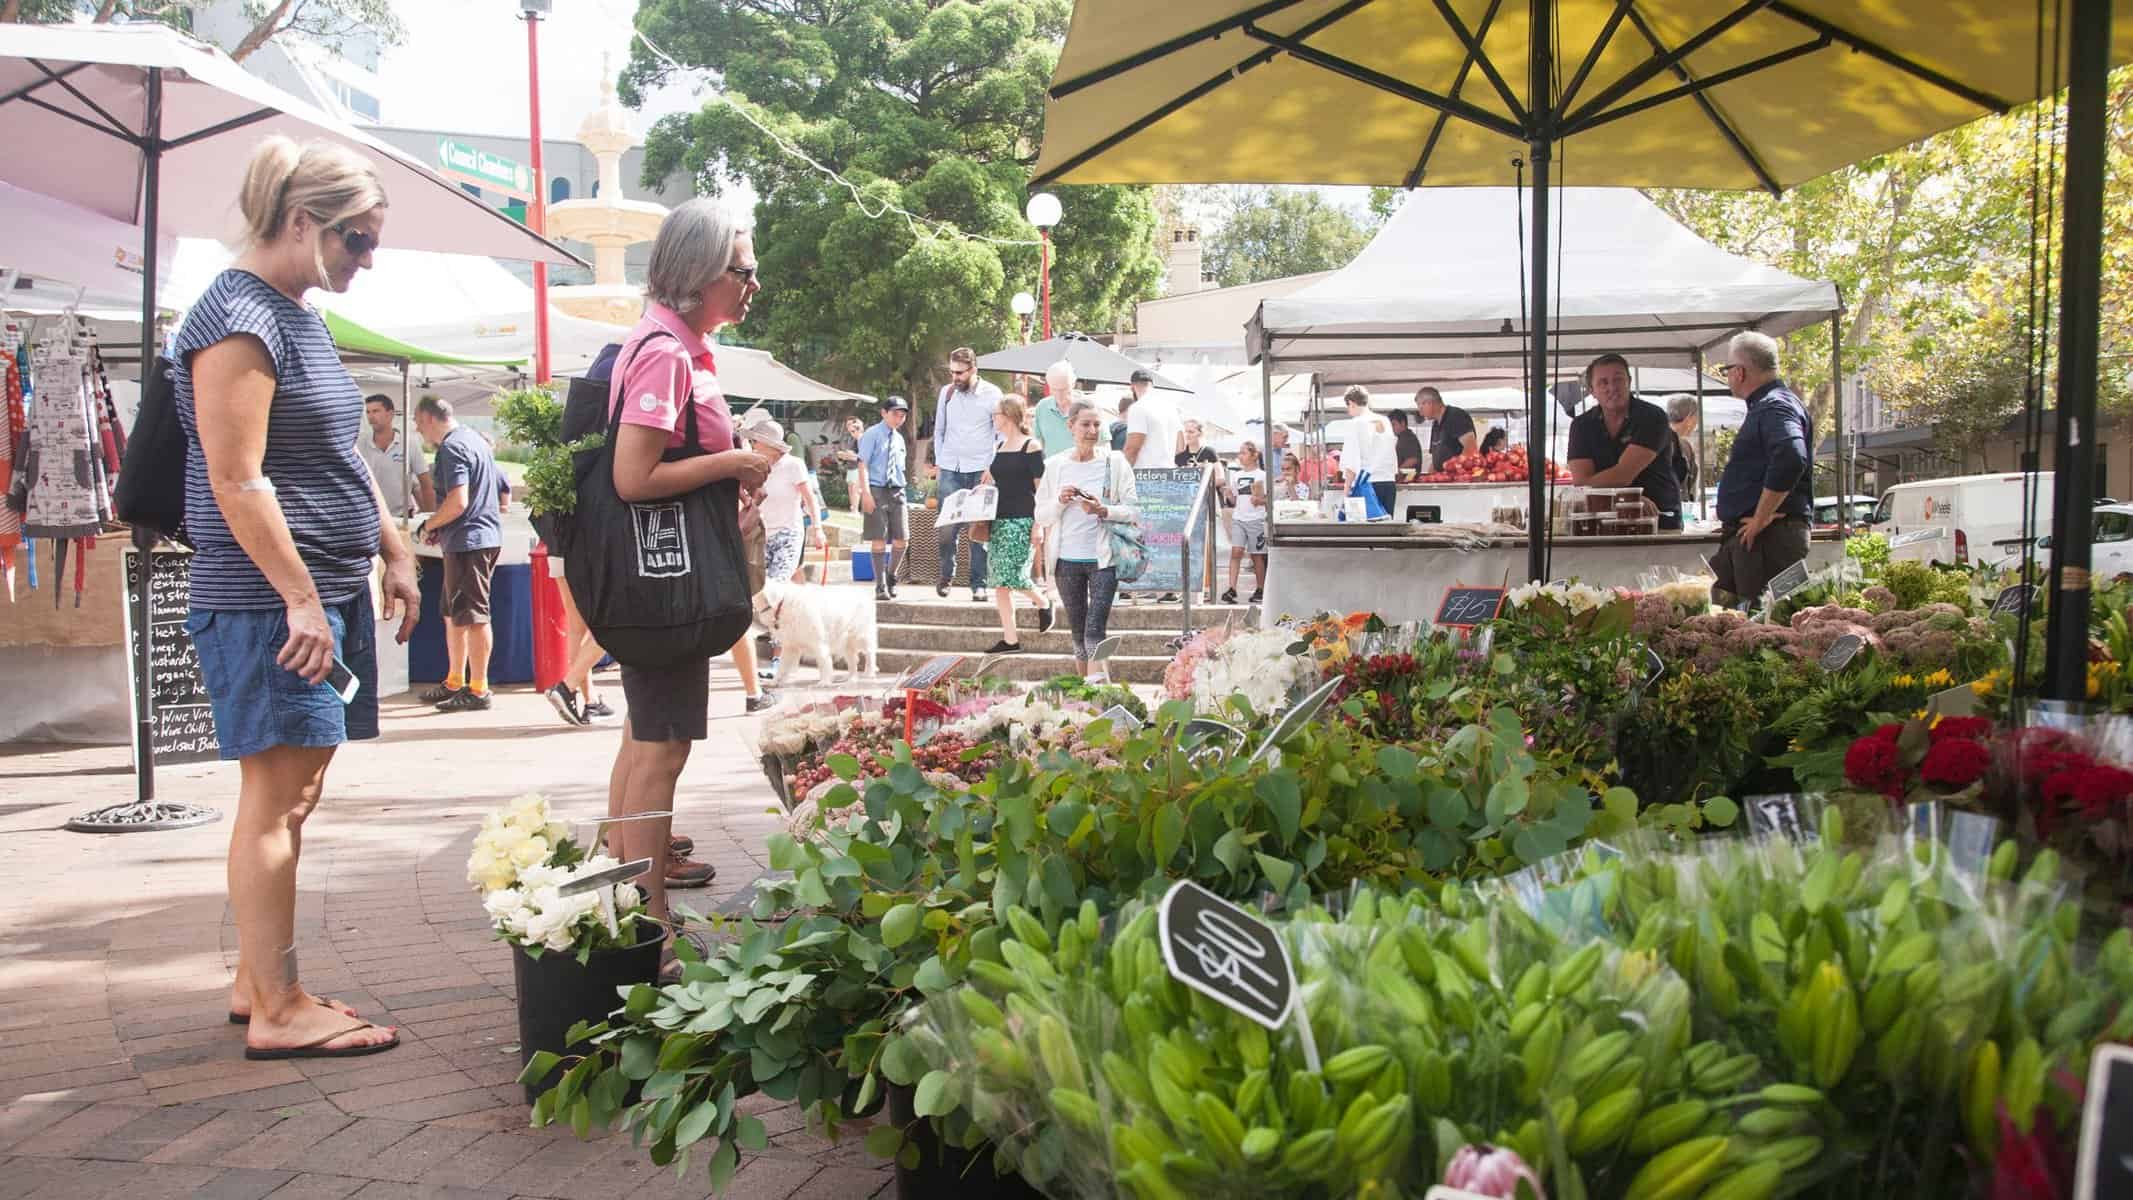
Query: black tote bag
x=660, y=582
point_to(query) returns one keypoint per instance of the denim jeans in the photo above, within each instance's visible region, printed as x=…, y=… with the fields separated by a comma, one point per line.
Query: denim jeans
x=1087, y=594
x=951, y=483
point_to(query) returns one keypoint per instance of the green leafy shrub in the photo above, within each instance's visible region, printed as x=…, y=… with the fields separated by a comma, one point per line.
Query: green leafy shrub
x=533, y=418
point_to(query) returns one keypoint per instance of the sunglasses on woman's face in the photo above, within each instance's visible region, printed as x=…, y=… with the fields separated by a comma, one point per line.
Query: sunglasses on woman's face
x=357, y=242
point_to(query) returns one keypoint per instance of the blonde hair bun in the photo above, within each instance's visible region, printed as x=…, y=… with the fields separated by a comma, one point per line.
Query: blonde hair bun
x=324, y=180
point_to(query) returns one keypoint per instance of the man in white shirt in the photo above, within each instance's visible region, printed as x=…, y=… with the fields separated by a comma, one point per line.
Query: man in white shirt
x=1371, y=448
x=964, y=441
x=402, y=473
x=1153, y=433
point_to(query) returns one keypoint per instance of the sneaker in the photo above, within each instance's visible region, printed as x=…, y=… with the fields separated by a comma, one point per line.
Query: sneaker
x=1168, y=598
x=598, y=711
x=768, y=699
x=766, y=674
x=881, y=593
x=1258, y=596
x=1005, y=647
x=565, y=701
x=893, y=593
x=465, y=701
x=1044, y=619
x=941, y=590
x=1230, y=596
x=439, y=694
x=979, y=595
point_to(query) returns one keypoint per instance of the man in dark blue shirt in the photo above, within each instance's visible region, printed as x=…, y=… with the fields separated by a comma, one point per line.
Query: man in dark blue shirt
x=1766, y=496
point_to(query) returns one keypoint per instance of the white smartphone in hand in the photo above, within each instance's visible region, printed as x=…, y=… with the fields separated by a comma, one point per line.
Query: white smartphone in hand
x=343, y=681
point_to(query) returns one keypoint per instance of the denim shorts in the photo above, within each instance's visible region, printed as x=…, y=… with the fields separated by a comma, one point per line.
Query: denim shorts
x=259, y=705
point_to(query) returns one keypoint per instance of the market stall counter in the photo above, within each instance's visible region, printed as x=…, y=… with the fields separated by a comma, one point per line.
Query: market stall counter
x=1401, y=573
x=511, y=606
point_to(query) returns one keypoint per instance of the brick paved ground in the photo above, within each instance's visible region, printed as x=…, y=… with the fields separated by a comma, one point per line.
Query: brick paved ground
x=119, y=1074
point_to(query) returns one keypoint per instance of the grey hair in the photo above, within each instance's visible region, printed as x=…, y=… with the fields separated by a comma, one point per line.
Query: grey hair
x=694, y=248
x=1680, y=408
x=1759, y=350
x=1061, y=370
x=435, y=407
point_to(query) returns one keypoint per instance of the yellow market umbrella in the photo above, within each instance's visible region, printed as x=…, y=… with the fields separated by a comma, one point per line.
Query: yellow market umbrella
x=1645, y=93
x=1650, y=93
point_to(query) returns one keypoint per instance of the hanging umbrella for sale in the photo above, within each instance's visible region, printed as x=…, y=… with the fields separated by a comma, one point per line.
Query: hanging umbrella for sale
x=1644, y=93
x=1093, y=362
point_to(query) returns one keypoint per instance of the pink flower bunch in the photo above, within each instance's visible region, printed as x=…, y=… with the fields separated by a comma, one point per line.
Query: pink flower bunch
x=1177, y=677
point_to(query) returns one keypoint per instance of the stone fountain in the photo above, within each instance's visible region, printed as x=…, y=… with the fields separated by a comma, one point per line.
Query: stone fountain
x=607, y=221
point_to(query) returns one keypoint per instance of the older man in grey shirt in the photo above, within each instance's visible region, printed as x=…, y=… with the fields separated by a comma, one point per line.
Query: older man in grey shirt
x=963, y=444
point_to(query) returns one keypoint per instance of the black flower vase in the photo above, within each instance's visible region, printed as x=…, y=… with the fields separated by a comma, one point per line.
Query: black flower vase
x=945, y=1170
x=556, y=991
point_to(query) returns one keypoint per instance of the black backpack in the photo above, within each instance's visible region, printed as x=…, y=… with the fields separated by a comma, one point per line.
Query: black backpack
x=150, y=492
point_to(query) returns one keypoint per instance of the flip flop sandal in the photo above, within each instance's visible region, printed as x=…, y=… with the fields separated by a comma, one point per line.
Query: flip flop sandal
x=324, y=1002
x=318, y=1048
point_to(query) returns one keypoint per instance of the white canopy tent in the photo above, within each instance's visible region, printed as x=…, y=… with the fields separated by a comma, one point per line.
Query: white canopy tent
x=1437, y=296
x=60, y=255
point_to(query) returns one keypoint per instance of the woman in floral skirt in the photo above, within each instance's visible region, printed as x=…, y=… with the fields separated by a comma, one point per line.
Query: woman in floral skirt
x=1016, y=467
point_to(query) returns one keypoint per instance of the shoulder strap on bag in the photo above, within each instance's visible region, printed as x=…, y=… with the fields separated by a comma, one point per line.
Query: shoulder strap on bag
x=622, y=397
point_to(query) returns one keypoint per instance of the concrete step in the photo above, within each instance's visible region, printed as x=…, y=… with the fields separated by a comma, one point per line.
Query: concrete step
x=975, y=639
x=1029, y=666
x=918, y=606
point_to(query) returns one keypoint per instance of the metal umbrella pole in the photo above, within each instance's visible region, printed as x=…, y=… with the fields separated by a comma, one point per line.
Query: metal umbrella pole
x=2080, y=289
x=145, y=813
x=1539, y=149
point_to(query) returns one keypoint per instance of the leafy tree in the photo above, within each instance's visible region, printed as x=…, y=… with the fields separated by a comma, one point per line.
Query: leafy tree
x=1270, y=232
x=328, y=21
x=1930, y=247
x=931, y=107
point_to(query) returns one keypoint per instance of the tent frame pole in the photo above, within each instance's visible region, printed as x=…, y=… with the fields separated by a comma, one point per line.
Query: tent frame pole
x=1703, y=436
x=2081, y=254
x=1539, y=149
x=1836, y=400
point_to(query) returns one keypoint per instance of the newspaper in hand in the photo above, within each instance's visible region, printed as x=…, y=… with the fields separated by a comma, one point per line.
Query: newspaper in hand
x=970, y=504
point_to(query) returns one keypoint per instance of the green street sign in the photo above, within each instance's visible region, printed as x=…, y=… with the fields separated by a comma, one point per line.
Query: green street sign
x=473, y=165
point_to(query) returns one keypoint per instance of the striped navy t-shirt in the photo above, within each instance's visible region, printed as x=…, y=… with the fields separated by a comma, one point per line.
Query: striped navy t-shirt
x=319, y=478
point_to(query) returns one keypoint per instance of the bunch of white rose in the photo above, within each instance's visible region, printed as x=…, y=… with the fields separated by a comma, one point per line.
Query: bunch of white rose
x=806, y=729
x=536, y=914
x=1256, y=666
x=513, y=838
x=1024, y=721
x=1573, y=597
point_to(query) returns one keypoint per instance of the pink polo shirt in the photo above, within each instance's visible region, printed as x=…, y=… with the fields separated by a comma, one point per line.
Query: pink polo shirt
x=666, y=372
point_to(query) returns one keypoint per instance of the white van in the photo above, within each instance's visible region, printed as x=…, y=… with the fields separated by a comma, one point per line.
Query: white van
x=1960, y=520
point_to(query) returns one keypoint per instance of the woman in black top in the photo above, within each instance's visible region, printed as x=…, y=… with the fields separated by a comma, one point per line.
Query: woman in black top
x=1016, y=467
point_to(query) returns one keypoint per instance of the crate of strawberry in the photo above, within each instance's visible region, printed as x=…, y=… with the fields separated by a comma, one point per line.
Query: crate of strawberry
x=1497, y=466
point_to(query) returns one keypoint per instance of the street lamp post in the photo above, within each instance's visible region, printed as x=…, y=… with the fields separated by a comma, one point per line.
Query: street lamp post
x=537, y=208
x=1023, y=305
x=1043, y=212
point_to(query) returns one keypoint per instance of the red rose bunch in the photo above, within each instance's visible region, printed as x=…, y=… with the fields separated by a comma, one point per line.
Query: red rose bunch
x=1961, y=728
x=1875, y=762
x=1954, y=762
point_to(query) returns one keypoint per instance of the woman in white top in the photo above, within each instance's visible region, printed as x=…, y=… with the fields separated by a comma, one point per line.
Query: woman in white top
x=1085, y=489
x=1246, y=488
x=788, y=494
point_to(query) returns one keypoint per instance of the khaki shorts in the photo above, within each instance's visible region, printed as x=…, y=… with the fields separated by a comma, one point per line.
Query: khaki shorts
x=465, y=600
x=1746, y=571
x=891, y=519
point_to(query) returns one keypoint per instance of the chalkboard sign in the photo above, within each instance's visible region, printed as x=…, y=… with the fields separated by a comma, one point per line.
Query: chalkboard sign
x=930, y=672
x=181, y=726
x=1226, y=954
x=2013, y=600
x=1841, y=652
x=2105, y=1168
x=1788, y=581
x=1425, y=514
x=1466, y=607
x=1169, y=501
